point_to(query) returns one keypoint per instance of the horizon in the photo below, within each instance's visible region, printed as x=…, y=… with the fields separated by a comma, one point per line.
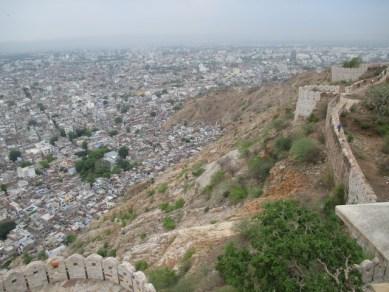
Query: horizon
x=46, y=25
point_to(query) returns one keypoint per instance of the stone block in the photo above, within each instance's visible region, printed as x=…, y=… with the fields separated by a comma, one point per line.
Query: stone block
x=125, y=275
x=366, y=269
x=75, y=265
x=110, y=268
x=139, y=282
x=94, y=268
x=149, y=288
x=36, y=275
x=56, y=270
x=14, y=281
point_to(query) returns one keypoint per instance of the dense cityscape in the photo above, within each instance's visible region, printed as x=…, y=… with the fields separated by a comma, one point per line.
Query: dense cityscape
x=78, y=128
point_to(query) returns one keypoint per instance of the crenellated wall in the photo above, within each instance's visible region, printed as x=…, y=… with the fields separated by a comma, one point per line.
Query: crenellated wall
x=38, y=274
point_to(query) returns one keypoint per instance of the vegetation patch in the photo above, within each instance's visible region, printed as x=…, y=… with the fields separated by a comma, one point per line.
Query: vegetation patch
x=168, y=223
x=290, y=248
x=167, y=207
x=305, y=150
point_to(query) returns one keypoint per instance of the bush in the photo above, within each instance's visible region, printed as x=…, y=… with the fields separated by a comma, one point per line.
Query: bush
x=305, y=150
x=290, y=248
x=378, y=99
x=282, y=144
x=70, y=238
x=168, y=223
x=198, y=170
x=337, y=197
x=255, y=192
x=141, y=265
x=14, y=154
x=166, y=207
x=162, y=278
x=162, y=188
x=123, y=152
x=259, y=168
x=237, y=194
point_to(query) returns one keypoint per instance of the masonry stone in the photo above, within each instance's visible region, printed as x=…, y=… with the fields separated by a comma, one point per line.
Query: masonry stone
x=110, y=267
x=36, y=275
x=339, y=73
x=14, y=281
x=75, y=265
x=94, y=268
x=125, y=274
x=56, y=269
x=139, y=282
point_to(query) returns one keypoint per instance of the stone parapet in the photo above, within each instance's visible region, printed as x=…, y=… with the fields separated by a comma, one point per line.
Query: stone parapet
x=39, y=274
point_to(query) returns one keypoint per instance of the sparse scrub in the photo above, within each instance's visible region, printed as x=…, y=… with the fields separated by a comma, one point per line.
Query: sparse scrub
x=305, y=150
x=282, y=144
x=237, y=193
x=216, y=179
x=141, y=265
x=259, y=168
x=166, y=207
x=123, y=217
x=168, y=223
x=337, y=197
x=162, y=188
x=378, y=99
x=163, y=278
x=255, y=192
x=198, y=170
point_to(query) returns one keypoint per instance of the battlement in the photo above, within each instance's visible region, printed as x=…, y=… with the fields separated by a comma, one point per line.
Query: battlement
x=339, y=73
x=39, y=274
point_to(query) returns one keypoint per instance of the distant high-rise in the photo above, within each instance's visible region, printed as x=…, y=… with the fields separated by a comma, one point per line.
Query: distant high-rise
x=293, y=56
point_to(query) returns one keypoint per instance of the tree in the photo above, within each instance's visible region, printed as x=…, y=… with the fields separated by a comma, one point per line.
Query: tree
x=305, y=150
x=353, y=63
x=3, y=188
x=378, y=99
x=118, y=120
x=6, y=227
x=14, y=154
x=42, y=255
x=290, y=248
x=53, y=140
x=70, y=238
x=123, y=152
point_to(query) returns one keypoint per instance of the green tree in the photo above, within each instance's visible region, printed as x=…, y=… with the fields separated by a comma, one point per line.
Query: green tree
x=353, y=63
x=123, y=152
x=14, y=154
x=70, y=238
x=6, y=227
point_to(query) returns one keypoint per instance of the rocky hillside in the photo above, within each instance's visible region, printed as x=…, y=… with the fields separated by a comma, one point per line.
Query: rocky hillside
x=183, y=219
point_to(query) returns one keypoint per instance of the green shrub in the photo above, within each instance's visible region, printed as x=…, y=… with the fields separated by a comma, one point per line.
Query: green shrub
x=168, y=223
x=162, y=278
x=166, y=207
x=282, y=144
x=378, y=99
x=305, y=150
x=141, y=265
x=260, y=168
x=216, y=179
x=237, y=193
x=198, y=170
x=255, y=192
x=70, y=238
x=337, y=197
x=313, y=118
x=162, y=188
x=290, y=248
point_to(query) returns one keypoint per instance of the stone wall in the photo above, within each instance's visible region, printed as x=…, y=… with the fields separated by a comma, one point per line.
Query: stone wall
x=343, y=162
x=309, y=96
x=38, y=274
x=339, y=73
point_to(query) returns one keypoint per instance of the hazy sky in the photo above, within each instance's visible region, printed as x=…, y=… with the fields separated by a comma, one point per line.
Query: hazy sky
x=228, y=20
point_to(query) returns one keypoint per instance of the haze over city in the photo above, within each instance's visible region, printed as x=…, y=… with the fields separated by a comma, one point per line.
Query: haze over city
x=42, y=23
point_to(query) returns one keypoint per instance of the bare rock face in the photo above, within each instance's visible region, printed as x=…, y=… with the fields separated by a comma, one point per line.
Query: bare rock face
x=230, y=162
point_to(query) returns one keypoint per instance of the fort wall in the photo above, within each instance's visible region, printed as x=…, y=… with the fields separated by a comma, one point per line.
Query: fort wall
x=39, y=274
